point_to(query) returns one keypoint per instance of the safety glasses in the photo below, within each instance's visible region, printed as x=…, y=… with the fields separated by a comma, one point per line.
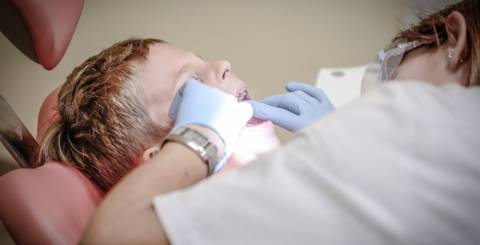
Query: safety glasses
x=392, y=57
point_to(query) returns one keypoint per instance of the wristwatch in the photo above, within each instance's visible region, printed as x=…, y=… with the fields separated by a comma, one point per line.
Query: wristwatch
x=197, y=142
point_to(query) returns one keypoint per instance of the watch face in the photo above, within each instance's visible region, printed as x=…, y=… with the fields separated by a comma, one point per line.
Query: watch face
x=198, y=143
x=198, y=138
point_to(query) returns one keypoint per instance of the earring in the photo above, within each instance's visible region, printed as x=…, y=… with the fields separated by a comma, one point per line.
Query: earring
x=450, y=54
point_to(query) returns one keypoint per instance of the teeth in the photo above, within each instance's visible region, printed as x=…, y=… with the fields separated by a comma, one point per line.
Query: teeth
x=242, y=95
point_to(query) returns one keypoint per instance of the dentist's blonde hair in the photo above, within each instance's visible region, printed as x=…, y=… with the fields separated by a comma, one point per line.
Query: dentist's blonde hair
x=103, y=124
x=432, y=30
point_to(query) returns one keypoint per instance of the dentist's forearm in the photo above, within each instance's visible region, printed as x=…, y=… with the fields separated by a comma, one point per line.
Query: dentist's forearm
x=126, y=215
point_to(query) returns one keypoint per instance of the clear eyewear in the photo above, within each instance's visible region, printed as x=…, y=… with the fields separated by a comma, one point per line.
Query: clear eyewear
x=392, y=57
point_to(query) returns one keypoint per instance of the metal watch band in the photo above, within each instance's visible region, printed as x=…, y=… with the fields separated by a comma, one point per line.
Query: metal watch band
x=197, y=142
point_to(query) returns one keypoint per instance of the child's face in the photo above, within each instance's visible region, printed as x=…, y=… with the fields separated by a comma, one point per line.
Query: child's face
x=167, y=68
x=165, y=71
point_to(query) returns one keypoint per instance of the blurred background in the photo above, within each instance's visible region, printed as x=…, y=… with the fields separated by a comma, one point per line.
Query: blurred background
x=268, y=42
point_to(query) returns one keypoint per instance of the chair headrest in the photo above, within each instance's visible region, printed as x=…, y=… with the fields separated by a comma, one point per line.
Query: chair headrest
x=51, y=204
x=48, y=114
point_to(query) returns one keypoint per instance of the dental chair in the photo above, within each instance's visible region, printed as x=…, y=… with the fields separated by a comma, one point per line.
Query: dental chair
x=51, y=203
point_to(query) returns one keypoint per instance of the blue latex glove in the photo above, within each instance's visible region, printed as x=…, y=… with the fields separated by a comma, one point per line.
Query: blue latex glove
x=197, y=103
x=294, y=110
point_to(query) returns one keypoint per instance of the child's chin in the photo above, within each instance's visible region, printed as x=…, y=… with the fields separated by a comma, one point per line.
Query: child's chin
x=255, y=140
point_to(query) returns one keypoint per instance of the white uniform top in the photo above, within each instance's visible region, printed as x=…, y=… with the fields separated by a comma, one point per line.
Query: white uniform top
x=401, y=165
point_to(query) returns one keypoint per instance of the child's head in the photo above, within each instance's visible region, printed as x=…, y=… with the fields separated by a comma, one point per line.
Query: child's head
x=113, y=108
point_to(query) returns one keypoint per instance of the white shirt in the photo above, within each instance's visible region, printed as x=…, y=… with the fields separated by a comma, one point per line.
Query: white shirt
x=401, y=165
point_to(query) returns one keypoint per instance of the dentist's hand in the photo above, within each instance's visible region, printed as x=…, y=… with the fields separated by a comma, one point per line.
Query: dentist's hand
x=294, y=110
x=201, y=105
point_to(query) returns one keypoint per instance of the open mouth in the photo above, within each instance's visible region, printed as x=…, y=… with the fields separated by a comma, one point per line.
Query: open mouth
x=244, y=95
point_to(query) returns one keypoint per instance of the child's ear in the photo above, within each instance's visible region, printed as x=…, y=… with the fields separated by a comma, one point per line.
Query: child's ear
x=150, y=153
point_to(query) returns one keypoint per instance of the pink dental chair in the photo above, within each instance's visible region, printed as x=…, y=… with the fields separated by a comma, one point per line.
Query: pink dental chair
x=51, y=203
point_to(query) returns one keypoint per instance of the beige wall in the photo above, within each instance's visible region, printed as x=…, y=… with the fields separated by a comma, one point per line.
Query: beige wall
x=268, y=42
